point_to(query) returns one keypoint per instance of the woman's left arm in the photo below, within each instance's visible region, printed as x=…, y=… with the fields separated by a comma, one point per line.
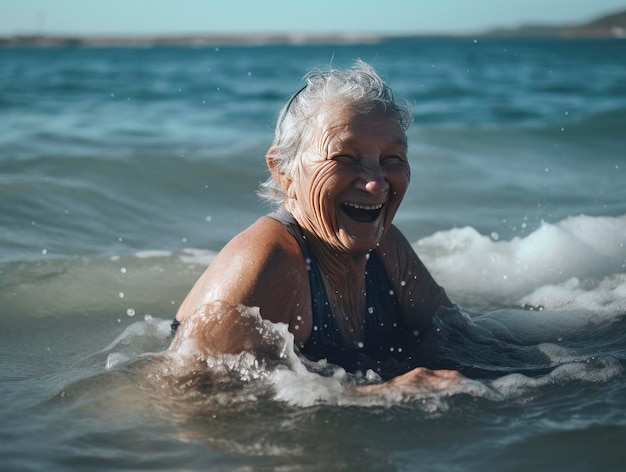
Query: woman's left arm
x=418, y=293
x=420, y=297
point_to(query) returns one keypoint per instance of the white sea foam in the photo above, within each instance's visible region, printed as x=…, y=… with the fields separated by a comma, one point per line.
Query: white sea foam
x=581, y=259
x=197, y=256
x=596, y=298
x=591, y=370
x=208, y=379
x=153, y=253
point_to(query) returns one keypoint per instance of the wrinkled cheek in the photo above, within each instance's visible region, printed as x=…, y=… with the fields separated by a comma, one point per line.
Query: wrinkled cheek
x=323, y=208
x=326, y=215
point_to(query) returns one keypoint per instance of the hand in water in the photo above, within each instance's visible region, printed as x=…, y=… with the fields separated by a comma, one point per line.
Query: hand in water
x=417, y=381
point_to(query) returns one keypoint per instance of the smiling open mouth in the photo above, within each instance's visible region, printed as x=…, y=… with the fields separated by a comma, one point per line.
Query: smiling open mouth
x=362, y=213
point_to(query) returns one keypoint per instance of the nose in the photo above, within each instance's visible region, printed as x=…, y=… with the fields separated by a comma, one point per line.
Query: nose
x=374, y=181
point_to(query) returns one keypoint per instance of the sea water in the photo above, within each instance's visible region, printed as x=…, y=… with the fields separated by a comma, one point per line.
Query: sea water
x=123, y=171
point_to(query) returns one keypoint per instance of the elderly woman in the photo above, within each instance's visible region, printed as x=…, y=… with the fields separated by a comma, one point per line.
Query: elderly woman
x=328, y=262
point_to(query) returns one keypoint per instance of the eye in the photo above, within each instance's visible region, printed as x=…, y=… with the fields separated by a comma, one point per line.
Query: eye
x=393, y=159
x=344, y=159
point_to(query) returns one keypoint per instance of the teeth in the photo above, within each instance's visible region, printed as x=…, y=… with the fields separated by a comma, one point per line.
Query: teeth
x=365, y=207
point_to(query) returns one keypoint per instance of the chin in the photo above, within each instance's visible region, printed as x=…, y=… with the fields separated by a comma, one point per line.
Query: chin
x=360, y=238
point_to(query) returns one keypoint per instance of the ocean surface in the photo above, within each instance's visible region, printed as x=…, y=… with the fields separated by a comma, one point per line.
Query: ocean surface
x=124, y=170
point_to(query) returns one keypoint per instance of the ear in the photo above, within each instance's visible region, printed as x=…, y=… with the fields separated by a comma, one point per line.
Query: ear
x=282, y=179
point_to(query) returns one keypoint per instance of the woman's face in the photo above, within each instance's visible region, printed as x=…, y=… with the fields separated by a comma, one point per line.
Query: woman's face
x=351, y=180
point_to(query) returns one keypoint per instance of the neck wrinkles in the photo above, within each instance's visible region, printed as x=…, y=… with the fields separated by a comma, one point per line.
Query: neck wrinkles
x=343, y=275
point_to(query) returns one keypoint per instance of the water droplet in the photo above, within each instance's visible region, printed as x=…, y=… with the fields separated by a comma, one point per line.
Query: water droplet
x=44, y=251
x=130, y=312
x=123, y=270
x=121, y=294
x=495, y=236
x=209, y=219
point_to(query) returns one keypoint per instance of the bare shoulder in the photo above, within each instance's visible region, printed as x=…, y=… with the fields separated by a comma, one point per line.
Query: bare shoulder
x=396, y=249
x=265, y=242
x=256, y=266
x=419, y=293
x=400, y=257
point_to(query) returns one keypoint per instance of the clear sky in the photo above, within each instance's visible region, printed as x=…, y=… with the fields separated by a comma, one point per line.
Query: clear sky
x=145, y=17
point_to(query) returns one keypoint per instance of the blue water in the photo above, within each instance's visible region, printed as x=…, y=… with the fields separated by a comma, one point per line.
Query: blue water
x=124, y=170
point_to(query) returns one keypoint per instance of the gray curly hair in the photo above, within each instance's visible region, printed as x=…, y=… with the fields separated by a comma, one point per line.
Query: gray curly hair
x=360, y=86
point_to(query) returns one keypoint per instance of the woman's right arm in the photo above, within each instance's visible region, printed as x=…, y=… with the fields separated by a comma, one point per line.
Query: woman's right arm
x=257, y=268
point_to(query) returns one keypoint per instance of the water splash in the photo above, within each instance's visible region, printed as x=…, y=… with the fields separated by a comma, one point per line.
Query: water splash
x=494, y=353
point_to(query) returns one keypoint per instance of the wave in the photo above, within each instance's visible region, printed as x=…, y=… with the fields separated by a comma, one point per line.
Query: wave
x=186, y=377
x=602, y=130
x=578, y=262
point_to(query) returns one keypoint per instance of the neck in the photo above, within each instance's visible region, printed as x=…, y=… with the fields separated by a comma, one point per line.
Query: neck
x=335, y=262
x=343, y=274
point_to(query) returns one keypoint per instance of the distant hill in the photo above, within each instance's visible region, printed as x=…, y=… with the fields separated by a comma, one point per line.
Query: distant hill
x=607, y=26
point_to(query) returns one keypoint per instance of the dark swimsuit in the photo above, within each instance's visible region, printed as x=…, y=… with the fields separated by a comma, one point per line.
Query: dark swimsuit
x=388, y=345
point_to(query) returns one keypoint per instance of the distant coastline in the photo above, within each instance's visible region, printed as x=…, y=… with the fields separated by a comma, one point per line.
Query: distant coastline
x=199, y=40
x=605, y=27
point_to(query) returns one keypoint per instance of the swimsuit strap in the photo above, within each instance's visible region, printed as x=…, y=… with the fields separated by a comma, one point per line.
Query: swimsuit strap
x=386, y=336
